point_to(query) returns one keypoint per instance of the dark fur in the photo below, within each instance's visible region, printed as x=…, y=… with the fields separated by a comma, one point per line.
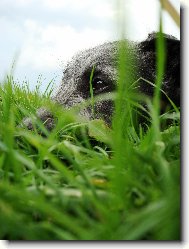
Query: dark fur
x=74, y=88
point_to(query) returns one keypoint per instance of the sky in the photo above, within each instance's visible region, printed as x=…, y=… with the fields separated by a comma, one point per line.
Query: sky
x=40, y=36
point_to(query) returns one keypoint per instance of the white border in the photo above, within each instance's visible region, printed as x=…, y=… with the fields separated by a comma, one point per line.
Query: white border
x=185, y=177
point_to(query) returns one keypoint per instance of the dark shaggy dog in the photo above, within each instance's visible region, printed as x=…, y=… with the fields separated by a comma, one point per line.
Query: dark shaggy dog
x=75, y=87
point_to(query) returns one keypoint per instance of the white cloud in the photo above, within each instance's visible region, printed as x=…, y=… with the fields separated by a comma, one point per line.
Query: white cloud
x=142, y=18
x=96, y=8
x=74, y=4
x=104, y=9
x=57, y=4
x=46, y=47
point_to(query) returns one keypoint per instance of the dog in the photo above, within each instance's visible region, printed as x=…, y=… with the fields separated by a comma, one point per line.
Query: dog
x=75, y=88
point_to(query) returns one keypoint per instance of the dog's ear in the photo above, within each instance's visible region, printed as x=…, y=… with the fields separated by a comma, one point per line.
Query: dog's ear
x=171, y=82
x=171, y=43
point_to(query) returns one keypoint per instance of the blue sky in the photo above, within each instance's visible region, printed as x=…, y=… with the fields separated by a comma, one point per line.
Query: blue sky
x=43, y=34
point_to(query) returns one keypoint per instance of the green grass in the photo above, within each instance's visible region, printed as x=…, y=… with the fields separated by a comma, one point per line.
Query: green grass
x=84, y=180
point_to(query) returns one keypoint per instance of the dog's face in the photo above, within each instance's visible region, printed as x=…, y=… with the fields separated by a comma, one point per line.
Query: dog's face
x=75, y=86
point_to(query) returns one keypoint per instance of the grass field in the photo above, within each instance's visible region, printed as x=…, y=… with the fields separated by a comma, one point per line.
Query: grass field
x=84, y=180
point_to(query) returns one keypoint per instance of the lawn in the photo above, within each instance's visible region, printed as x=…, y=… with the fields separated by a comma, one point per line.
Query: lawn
x=84, y=180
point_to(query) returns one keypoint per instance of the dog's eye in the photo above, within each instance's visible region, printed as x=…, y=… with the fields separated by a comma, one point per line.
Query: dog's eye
x=98, y=85
x=97, y=82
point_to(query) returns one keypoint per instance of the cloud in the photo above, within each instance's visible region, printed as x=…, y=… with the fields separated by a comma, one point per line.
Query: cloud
x=46, y=47
x=74, y=4
x=62, y=4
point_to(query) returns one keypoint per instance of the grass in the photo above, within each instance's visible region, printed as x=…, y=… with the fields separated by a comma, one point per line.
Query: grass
x=84, y=180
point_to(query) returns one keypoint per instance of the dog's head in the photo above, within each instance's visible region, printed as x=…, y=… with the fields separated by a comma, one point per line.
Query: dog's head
x=75, y=87
x=103, y=61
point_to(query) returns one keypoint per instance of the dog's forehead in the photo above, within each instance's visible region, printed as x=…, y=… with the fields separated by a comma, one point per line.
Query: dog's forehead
x=103, y=57
x=100, y=55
